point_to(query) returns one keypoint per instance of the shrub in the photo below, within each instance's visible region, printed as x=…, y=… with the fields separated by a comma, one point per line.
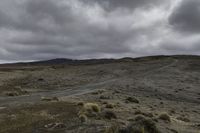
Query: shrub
x=141, y=125
x=90, y=110
x=165, y=117
x=147, y=114
x=95, y=93
x=55, y=99
x=92, y=107
x=104, y=97
x=138, y=112
x=49, y=99
x=83, y=118
x=132, y=100
x=109, y=115
x=80, y=103
x=12, y=94
x=109, y=106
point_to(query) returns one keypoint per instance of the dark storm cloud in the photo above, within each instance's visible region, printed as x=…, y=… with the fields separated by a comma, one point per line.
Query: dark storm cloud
x=53, y=28
x=44, y=29
x=186, y=17
x=110, y=5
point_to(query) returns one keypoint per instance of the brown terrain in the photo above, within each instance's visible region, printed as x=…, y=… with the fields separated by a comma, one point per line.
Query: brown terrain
x=157, y=94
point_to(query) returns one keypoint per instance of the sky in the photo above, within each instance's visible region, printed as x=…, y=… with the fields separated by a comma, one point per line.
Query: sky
x=82, y=29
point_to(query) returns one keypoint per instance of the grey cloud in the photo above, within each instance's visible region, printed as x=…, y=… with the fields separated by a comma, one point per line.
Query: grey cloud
x=181, y=46
x=44, y=16
x=72, y=35
x=186, y=16
x=44, y=29
x=5, y=21
x=111, y=5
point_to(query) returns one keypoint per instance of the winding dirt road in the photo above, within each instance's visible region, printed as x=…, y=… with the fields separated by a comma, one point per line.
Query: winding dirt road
x=36, y=97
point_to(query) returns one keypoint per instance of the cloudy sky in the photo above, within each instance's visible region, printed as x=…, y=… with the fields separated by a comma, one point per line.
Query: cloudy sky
x=45, y=29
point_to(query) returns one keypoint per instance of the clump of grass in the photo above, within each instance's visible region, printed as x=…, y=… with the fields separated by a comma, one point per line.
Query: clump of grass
x=83, y=118
x=92, y=107
x=90, y=110
x=109, y=105
x=137, y=112
x=55, y=99
x=147, y=114
x=165, y=117
x=104, y=97
x=142, y=125
x=98, y=92
x=115, y=128
x=80, y=103
x=139, y=125
x=104, y=102
x=49, y=99
x=131, y=100
x=12, y=94
x=109, y=115
x=95, y=93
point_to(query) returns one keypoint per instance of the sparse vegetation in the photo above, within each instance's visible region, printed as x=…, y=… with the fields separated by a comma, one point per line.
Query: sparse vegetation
x=127, y=97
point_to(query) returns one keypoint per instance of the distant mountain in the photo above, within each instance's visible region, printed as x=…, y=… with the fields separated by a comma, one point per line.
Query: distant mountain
x=61, y=61
x=65, y=61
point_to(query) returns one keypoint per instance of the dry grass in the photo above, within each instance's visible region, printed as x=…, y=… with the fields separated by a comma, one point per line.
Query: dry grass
x=142, y=125
x=92, y=107
x=112, y=129
x=89, y=110
x=31, y=118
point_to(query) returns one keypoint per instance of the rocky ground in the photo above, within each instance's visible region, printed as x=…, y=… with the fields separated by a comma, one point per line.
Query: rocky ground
x=158, y=94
